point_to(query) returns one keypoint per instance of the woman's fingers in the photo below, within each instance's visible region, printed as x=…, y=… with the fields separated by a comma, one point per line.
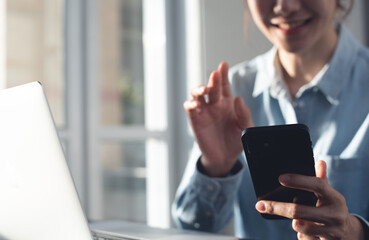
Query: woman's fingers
x=243, y=114
x=329, y=219
x=321, y=170
x=219, y=84
x=293, y=211
x=226, y=86
x=191, y=105
x=198, y=100
x=311, y=230
x=199, y=93
x=319, y=186
x=214, y=86
x=302, y=236
x=218, y=87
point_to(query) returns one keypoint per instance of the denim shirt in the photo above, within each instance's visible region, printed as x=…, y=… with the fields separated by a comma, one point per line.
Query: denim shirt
x=335, y=107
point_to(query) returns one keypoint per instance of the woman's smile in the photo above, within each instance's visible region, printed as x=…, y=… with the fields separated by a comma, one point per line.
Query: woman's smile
x=288, y=27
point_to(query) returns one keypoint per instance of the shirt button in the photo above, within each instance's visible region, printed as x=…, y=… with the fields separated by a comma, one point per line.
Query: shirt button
x=315, y=89
x=209, y=213
x=209, y=187
x=197, y=225
x=300, y=104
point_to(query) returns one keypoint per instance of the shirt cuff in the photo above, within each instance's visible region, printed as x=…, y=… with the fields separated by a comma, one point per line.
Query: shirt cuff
x=210, y=188
x=235, y=169
x=365, y=225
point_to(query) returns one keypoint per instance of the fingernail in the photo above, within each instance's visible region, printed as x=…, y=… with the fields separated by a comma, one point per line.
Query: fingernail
x=285, y=178
x=301, y=223
x=260, y=206
x=201, y=90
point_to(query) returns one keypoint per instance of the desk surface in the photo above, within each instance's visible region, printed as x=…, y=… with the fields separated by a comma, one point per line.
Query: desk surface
x=139, y=230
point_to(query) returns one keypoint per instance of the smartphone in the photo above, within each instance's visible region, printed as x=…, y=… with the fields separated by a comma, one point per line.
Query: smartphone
x=275, y=150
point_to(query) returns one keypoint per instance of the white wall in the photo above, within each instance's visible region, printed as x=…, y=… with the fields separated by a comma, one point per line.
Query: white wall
x=356, y=22
x=224, y=35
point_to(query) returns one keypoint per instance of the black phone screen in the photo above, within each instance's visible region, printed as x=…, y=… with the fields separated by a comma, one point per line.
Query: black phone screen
x=275, y=150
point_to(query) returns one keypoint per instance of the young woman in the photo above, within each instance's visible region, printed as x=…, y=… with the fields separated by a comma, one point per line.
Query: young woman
x=316, y=74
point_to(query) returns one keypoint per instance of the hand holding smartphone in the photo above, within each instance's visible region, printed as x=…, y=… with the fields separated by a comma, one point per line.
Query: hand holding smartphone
x=275, y=150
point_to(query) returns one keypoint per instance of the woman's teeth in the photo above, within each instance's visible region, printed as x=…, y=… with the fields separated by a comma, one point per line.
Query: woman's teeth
x=288, y=26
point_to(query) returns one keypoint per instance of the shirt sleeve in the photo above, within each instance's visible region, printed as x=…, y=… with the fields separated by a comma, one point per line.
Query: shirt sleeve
x=365, y=225
x=206, y=203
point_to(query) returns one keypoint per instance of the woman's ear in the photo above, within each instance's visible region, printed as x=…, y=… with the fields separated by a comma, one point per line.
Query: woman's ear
x=344, y=8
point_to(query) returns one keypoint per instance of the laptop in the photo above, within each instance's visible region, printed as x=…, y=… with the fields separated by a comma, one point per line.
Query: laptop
x=38, y=197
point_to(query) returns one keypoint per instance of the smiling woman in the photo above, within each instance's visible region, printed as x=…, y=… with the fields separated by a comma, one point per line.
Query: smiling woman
x=297, y=26
x=314, y=73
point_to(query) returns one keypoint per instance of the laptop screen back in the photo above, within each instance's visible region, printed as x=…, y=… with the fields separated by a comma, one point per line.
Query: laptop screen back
x=38, y=197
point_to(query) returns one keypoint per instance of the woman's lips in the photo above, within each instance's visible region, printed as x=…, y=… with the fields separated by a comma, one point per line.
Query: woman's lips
x=291, y=27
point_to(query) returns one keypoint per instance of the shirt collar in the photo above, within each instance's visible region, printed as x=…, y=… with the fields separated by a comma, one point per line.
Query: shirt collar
x=329, y=80
x=266, y=74
x=339, y=68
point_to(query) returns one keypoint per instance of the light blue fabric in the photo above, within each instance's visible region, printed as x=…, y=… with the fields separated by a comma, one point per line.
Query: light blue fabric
x=335, y=107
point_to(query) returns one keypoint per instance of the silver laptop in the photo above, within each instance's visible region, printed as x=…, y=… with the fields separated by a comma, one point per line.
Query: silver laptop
x=38, y=197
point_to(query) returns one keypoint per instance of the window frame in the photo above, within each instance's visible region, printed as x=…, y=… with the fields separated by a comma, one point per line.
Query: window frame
x=164, y=46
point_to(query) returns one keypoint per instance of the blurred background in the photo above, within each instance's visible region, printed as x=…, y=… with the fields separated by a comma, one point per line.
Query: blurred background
x=116, y=73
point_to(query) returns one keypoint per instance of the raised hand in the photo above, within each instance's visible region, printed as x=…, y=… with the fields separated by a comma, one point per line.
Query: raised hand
x=218, y=123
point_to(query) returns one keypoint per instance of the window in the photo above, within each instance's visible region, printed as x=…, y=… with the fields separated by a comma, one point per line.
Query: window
x=119, y=77
x=108, y=68
x=122, y=106
x=128, y=121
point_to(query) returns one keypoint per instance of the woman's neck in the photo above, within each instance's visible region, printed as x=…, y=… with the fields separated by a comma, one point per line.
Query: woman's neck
x=300, y=68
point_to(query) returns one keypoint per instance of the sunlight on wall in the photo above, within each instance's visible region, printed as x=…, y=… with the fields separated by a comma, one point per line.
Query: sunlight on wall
x=2, y=44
